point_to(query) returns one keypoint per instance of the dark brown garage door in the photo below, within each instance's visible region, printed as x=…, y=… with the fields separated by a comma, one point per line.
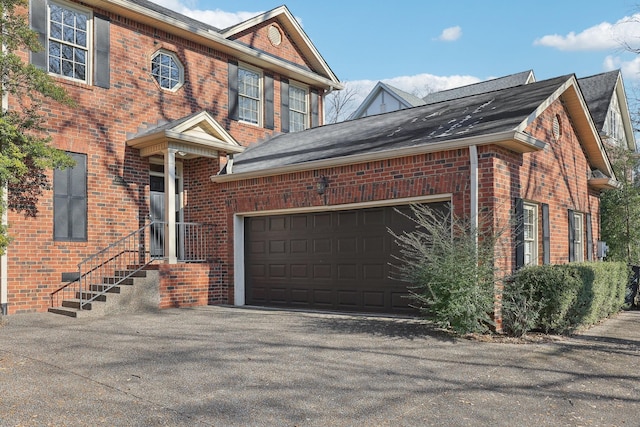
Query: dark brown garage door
x=326, y=260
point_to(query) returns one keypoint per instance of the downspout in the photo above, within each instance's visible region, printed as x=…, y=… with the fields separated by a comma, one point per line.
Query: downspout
x=5, y=222
x=473, y=159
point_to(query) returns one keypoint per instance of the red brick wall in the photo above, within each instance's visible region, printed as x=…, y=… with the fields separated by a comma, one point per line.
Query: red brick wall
x=99, y=126
x=190, y=285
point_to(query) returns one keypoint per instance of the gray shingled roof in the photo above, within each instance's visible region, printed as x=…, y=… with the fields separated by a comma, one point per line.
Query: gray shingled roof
x=481, y=87
x=477, y=115
x=597, y=91
x=412, y=100
x=180, y=17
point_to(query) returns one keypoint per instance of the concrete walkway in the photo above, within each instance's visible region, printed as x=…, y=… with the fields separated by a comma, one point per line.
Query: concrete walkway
x=219, y=366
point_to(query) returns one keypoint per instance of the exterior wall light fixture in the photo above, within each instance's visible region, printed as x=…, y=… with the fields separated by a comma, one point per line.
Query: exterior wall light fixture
x=321, y=185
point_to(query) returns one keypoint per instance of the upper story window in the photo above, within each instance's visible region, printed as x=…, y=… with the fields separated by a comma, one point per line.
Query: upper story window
x=298, y=110
x=68, y=43
x=76, y=41
x=167, y=70
x=249, y=95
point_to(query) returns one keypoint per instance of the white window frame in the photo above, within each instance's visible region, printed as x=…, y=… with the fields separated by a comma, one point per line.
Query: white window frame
x=89, y=41
x=296, y=112
x=179, y=81
x=530, y=225
x=578, y=236
x=242, y=95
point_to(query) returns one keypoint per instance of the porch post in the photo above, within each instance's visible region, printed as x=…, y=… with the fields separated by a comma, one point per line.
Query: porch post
x=170, y=206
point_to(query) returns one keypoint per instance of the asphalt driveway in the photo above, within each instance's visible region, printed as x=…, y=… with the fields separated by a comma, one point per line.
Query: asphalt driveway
x=221, y=366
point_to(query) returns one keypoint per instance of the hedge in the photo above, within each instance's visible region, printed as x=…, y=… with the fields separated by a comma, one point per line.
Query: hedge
x=563, y=298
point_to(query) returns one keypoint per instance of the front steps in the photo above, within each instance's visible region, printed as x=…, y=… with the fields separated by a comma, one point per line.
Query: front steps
x=137, y=293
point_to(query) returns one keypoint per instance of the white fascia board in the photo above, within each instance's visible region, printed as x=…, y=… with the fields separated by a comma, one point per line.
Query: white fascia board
x=215, y=40
x=289, y=21
x=513, y=137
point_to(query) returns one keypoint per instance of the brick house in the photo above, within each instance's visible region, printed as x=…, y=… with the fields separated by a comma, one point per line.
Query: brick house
x=300, y=218
x=530, y=152
x=163, y=100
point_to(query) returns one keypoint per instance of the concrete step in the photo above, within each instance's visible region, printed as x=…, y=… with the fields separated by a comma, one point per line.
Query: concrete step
x=105, y=288
x=75, y=303
x=112, y=280
x=122, y=273
x=65, y=311
x=96, y=296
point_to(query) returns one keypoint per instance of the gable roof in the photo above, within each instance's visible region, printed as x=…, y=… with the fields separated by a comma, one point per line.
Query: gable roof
x=157, y=16
x=195, y=135
x=499, y=83
x=406, y=99
x=498, y=117
x=292, y=28
x=599, y=91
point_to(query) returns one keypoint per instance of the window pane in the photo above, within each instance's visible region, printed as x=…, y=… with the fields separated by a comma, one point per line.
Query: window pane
x=68, y=42
x=166, y=70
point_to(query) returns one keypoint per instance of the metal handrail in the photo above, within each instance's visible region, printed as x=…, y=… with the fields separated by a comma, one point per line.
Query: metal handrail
x=108, y=268
x=120, y=260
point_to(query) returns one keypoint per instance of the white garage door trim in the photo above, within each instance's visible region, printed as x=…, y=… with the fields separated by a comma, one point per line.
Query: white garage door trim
x=238, y=229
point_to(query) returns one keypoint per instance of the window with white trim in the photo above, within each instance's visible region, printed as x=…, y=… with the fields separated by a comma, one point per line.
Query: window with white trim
x=298, y=108
x=167, y=70
x=249, y=95
x=69, y=42
x=530, y=229
x=578, y=236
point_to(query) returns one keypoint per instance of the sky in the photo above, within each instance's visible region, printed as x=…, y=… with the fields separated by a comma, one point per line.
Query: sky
x=425, y=45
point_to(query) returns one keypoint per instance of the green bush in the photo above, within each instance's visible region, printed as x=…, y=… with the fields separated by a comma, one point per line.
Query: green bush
x=563, y=298
x=447, y=283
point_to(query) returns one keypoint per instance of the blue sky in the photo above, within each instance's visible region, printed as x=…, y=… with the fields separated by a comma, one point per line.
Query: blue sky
x=421, y=46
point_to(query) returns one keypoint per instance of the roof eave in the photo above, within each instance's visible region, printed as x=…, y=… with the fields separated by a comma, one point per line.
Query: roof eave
x=604, y=183
x=218, y=42
x=294, y=30
x=513, y=140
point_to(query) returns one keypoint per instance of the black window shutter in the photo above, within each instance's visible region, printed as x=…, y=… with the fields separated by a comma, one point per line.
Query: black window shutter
x=233, y=90
x=268, y=102
x=572, y=229
x=101, y=66
x=284, y=110
x=546, y=235
x=589, y=238
x=38, y=19
x=519, y=206
x=70, y=201
x=315, y=115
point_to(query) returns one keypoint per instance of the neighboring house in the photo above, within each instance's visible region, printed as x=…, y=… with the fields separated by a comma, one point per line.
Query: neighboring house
x=530, y=153
x=607, y=100
x=385, y=98
x=163, y=101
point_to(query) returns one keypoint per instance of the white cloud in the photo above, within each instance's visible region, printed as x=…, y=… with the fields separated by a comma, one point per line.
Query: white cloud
x=419, y=85
x=630, y=69
x=450, y=34
x=215, y=17
x=603, y=36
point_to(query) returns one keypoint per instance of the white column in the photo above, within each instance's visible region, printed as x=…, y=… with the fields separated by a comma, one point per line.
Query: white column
x=170, y=206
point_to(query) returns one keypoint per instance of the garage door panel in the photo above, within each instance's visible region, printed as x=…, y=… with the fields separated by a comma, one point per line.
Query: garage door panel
x=323, y=299
x=330, y=260
x=373, y=300
x=321, y=272
x=322, y=246
x=347, y=271
x=299, y=271
x=348, y=299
